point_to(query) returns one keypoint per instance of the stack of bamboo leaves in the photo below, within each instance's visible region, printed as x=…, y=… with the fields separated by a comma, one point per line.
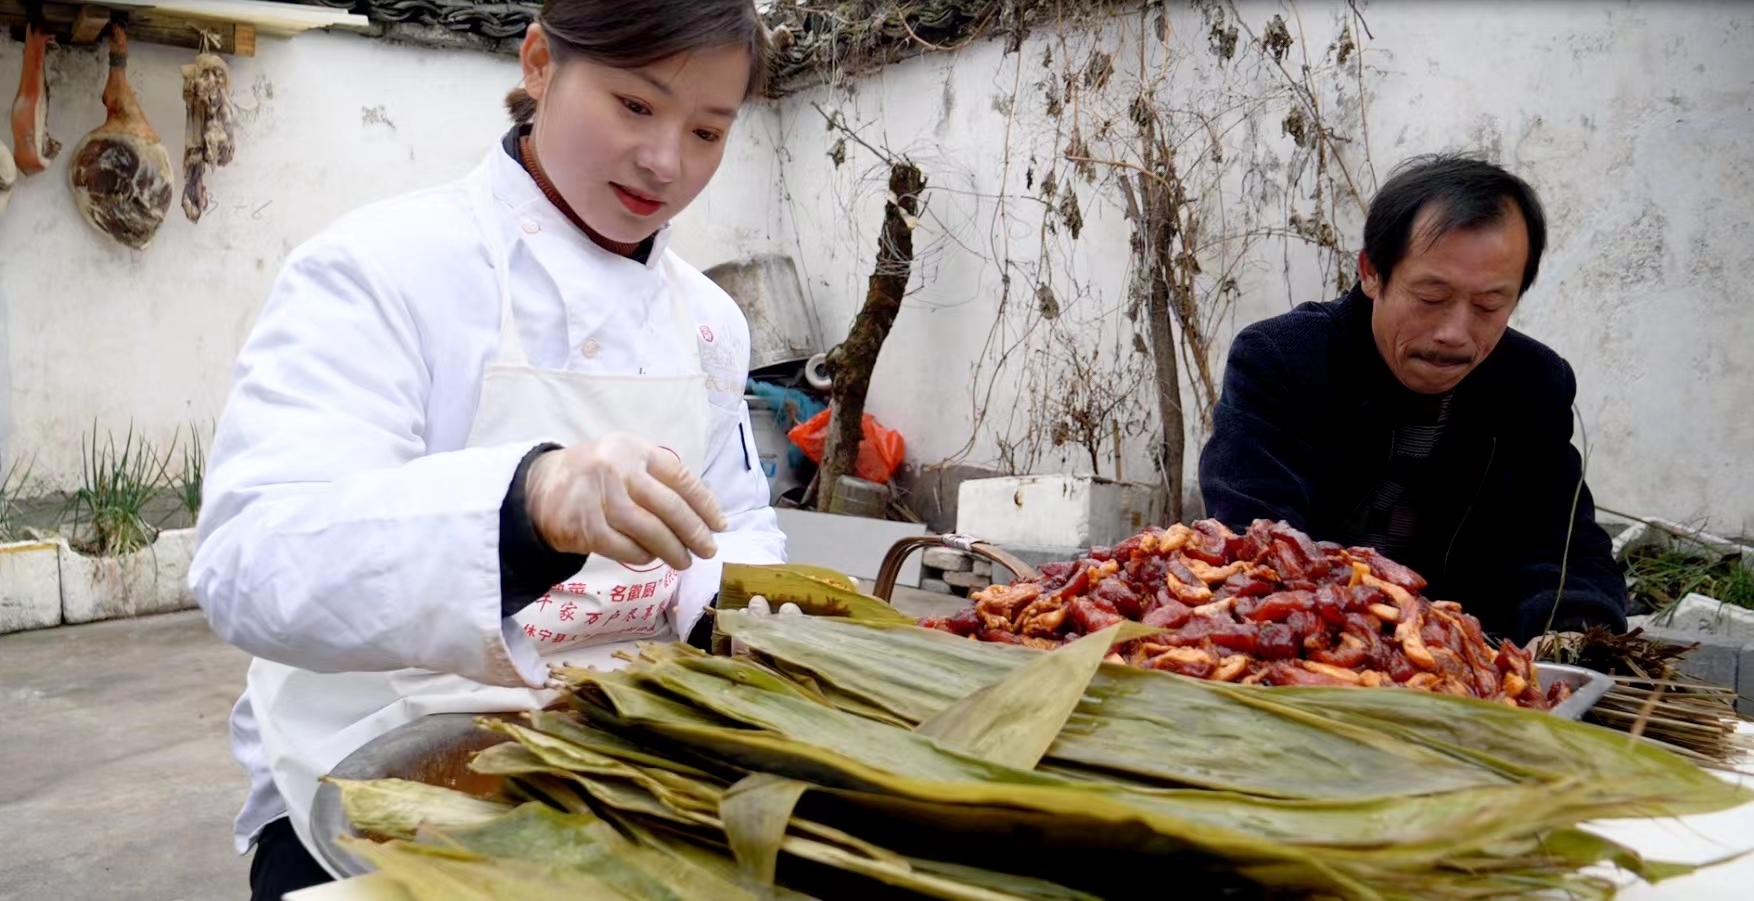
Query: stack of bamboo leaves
x=839, y=759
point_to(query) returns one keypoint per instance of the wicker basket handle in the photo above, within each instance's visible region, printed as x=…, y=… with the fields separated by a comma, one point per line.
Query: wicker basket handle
x=898, y=554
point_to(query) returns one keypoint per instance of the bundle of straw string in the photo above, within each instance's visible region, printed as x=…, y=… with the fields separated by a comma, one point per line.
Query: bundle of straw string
x=1653, y=700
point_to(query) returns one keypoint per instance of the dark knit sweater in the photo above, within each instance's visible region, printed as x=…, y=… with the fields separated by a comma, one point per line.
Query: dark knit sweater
x=1312, y=428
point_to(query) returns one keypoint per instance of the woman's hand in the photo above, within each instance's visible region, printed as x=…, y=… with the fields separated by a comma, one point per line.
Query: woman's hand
x=624, y=498
x=759, y=606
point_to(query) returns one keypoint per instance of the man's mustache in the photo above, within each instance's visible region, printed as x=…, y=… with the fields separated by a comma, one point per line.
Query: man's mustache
x=1440, y=358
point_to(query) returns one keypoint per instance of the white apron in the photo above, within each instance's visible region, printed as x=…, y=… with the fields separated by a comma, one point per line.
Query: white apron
x=310, y=721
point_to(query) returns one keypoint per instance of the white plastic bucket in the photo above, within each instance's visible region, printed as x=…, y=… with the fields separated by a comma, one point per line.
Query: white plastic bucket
x=772, y=446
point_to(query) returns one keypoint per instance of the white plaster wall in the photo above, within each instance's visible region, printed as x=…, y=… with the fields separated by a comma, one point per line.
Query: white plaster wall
x=101, y=334
x=1635, y=121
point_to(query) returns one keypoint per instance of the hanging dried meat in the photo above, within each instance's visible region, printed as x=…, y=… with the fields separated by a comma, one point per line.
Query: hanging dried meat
x=33, y=147
x=208, y=138
x=121, y=175
x=8, y=177
x=1268, y=606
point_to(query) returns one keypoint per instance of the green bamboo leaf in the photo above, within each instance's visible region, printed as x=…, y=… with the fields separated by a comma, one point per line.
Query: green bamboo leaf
x=570, y=727
x=1153, y=727
x=1021, y=886
x=539, y=834
x=398, y=808
x=815, y=591
x=756, y=812
x=1015, y=720
x=431, y=873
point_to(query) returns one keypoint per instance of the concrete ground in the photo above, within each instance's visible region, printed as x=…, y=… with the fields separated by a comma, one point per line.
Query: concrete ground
x=116, y=776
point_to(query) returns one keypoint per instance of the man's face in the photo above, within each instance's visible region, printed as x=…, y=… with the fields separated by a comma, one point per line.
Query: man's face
x=1448, y=302
x=630, y=148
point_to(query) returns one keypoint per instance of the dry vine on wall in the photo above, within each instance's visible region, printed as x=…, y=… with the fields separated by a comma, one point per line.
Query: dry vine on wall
x=1216, y=145
x=1193, y=153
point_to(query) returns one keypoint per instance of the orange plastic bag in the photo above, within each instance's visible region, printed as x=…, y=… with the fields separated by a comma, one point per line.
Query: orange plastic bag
x=881, y=451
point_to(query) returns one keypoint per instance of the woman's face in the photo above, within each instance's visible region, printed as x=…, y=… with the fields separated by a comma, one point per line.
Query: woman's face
x=630, y=148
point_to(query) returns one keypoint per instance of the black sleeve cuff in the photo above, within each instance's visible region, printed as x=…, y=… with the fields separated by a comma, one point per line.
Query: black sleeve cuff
x=701, y=636
x=1578, y=610
x=528, y=567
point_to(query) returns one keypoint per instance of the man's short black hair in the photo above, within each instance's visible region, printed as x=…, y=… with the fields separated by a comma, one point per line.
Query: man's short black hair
x=1463, y=193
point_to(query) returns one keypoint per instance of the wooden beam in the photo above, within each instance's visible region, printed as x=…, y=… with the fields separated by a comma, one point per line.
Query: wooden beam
x=89, y=23
x=82, y=23
x=175, y=31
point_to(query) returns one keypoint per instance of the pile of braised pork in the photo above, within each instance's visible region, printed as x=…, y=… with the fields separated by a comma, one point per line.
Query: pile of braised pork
x=1268, y=606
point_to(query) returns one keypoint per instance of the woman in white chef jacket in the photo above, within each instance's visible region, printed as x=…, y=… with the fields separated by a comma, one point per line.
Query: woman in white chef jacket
x=490, y=426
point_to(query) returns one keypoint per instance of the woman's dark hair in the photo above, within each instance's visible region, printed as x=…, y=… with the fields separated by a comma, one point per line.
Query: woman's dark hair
x=1463, y=193
x=630, y=34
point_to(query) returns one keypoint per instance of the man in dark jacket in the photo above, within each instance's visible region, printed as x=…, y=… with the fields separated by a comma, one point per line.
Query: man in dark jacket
x=1407, y=415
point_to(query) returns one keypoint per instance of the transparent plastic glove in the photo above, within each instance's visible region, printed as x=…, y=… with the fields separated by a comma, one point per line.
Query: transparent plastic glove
x=624, y=498
x=759, y=606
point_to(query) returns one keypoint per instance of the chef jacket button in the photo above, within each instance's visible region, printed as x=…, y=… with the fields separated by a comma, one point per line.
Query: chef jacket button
x=590, y=349
x=531, y=228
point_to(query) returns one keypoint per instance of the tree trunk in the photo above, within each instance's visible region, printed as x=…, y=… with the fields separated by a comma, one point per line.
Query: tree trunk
x=851, y=362
x=1169, y=392
x=1154, y=230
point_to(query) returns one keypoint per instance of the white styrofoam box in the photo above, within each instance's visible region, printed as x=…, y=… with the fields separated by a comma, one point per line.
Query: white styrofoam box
x=1635, y=536
x=1698, y=613
x=151, y=580
x=1704, y=544
x=30, y=585
x=853, y=545
x=1056, y=510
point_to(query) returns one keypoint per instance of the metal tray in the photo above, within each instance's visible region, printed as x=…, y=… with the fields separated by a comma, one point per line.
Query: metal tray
x=436, y=749
x=1587, y=687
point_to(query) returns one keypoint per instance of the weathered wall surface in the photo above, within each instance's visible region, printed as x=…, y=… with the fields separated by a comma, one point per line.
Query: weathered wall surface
x=102, y=334
x=1635, y=120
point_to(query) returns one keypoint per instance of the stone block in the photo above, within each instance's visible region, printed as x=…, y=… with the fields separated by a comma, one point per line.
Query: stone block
x=1698, y=613
x=1716, y=659
x=853, y=545
x=946, y=559
x=30, y=585
x=1745, y=683
x=151, y=580
x=935, y=586
x=967, y=580
x=1056, y=510
x=983, y=567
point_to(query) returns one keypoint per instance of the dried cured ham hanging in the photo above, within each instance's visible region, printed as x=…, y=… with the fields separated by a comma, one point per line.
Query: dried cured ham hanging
x=8, y=177
x=33, y=148
x=208, y=138
x=121, y=175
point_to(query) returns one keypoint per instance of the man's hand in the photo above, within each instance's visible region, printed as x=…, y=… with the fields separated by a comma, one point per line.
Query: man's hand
x=623, y=498
x=1550, y=643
